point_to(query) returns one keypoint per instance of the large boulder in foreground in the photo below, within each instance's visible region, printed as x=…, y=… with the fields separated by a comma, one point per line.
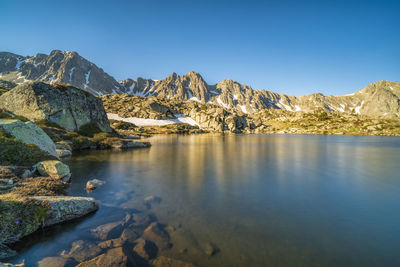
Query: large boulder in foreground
x=67, y=106
x=63, y=208
x=29, y=133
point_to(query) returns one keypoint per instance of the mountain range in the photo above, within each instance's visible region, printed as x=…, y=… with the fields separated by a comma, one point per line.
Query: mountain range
x=379, y=99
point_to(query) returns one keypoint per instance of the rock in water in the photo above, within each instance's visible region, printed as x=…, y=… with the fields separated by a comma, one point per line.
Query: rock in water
x=62, y=153
x=62, y=208
x=145, y=249
x=163, y=261
x=29, y=133
x=109, y=230
x=55, y=262
x=93, y=184
x=81, y=251
x=115, y=257
x=69, y=107
x=55, y=169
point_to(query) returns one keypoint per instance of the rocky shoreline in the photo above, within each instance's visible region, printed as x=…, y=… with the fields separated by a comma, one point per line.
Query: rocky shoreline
x=39, y=125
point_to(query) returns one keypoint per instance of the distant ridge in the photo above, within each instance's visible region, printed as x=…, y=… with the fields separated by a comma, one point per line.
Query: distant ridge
x=380, y=99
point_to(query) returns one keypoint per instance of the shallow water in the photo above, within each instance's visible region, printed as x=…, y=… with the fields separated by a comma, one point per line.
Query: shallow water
x=263, y=200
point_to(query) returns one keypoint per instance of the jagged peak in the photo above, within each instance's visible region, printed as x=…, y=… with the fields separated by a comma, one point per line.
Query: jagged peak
x=174, y=76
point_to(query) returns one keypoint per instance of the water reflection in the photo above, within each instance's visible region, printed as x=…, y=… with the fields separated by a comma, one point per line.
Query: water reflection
x=265, y=200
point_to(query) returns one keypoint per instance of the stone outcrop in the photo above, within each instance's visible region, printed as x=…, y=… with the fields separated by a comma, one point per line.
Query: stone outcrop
x=63, y=208
x=55, y=169
x=29, y=133
x=69, y=107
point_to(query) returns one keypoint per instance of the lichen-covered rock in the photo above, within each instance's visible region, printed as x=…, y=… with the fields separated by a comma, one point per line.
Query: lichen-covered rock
x=62, y=153
x=69, y=107
x=29, y=133
x=55, y=169
x=63, y=208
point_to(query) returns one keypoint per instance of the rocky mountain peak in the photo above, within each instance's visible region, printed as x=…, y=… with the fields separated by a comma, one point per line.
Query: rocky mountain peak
x=380, y=98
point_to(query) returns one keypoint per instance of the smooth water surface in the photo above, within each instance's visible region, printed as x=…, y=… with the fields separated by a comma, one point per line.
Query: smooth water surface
x=263, y=200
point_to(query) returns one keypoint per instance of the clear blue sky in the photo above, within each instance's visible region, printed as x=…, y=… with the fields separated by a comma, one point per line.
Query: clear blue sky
x=295, y=47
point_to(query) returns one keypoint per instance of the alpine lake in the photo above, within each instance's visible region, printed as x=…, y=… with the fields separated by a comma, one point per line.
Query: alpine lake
x=246, y=200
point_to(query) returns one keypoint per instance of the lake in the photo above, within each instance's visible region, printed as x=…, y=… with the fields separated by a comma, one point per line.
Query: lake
x=260, y=200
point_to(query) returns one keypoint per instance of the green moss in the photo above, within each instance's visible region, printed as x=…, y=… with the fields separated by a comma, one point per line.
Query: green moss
x=14, y=152
x=101, y=136
x=8, y=115
x=46, y=123
x=19, y=217
x=89, y=129
x=3, y=90
x=6, y=85
x=78, y=141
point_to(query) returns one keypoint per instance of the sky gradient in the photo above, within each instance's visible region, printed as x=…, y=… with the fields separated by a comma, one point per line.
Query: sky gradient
x=292, y=47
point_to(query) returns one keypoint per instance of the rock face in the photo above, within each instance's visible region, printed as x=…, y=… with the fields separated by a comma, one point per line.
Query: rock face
x=58, y=67
x=55, y=169
x=29, y=133
x=67, y=106
x=62, y=208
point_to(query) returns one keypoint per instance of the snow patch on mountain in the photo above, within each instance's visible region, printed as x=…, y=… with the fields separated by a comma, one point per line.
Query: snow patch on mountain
x=180, y=118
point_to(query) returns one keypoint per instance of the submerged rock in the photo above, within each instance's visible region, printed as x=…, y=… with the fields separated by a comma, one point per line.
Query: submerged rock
x=210, y=249
x=56, y=262
x=109, y=230
x=145, y=249
x=130, y=234
x=112, y=243
x=156, y=233
x=168, y=262
x=55, y=169
x=29, y=133
x=115, y=257
x=63, y=208
x=152, y=199
x=93, y=184
x=82, y=251
x=141, y=220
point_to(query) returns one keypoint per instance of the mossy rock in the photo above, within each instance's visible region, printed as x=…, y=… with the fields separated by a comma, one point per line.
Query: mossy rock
x=89, y=129
x=15, y=152
x=19, y=217
x=55, y=169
